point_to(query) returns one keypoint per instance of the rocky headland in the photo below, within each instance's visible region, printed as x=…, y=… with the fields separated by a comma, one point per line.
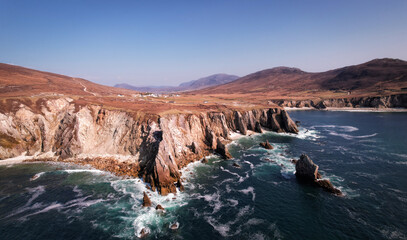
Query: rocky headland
x=153, y=146
x=381, y=102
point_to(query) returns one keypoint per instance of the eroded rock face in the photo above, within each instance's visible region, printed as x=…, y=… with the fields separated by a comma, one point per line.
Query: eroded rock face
x=390, y=101
x=154, y=147
x=222, y=150
x=307, y=170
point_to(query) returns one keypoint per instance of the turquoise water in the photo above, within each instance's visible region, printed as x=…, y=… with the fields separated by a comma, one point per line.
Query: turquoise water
x=364, y=154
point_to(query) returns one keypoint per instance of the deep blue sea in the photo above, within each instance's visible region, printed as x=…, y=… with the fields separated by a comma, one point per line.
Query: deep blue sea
x=362, y=153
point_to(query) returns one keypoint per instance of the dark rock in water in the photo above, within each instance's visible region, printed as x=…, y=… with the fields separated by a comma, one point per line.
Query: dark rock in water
x=146, y=200
x=144, y=233
x=294, y=161
x=222, y=150
x=179, y=185
x=204, y=160
x=159, y=207
x=258, y=128
x=297, y=123
x=307, y=170
x=266, y=145
x=174, y=226
x=327, y=185
x=236, y=165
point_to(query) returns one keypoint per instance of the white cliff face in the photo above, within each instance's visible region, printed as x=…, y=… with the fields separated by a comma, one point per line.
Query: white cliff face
x=157, y=148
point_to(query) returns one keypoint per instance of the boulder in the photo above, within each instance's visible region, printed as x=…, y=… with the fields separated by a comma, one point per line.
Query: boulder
x=144, y=233
x=266, y=145
x=174, y=226
x=159, y=207
x=204, y=160
x=222, y=150
x=146, y=200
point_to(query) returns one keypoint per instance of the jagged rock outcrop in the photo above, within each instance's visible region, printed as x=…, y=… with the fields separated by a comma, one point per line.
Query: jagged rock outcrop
x=390, y=101
x=222, y=150
x=306, y=170
x=266, y=145
x=153, y=146
x=146, y=200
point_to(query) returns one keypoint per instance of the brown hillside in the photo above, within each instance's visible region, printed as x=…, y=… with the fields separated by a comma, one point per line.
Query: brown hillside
x=377, y=77
x=18, y=81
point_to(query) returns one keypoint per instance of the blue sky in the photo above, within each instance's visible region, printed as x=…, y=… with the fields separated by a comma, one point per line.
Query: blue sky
x=169, y=42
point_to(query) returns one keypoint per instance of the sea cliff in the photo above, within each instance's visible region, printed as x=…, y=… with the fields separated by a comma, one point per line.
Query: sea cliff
x=154, y=147
x=390, y=101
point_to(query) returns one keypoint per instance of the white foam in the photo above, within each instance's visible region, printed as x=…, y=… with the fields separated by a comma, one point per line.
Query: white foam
x=83, y=170
x=350, y=137
x=250, y=164
x=36, y=176
x=249, y=190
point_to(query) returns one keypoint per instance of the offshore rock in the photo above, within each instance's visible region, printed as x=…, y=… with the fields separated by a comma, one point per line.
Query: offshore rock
x=159, y=207
x=236, y=165
x=266, y=145
x=306, y=170
x=146, y=200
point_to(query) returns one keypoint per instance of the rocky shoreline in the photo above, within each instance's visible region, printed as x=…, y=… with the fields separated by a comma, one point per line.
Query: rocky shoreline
x=378, y=102
x=154, y=148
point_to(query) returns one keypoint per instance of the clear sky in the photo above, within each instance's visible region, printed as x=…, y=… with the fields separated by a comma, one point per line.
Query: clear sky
x=148, y=42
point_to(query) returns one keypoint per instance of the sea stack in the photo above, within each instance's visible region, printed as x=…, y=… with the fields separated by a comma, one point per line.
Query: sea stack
x=306, y=170
x=266, y=145
x=146, y=200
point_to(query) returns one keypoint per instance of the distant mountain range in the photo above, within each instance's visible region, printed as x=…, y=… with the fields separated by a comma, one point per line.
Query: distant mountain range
x=213, y=80
x=376, y=77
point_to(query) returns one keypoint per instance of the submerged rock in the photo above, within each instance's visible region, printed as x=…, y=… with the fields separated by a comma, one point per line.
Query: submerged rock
x=204, y=160
x=159, y=207
x=266, y=145
x=307, y=170
x=146, y=200
x=236, y=165
x=174, y=226
x=144, y=233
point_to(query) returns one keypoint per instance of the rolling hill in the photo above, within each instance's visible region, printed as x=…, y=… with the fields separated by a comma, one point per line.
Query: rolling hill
x=16, y=81
x=376, y=77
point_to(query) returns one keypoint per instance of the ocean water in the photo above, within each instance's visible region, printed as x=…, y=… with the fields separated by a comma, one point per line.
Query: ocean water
x=364, y=154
